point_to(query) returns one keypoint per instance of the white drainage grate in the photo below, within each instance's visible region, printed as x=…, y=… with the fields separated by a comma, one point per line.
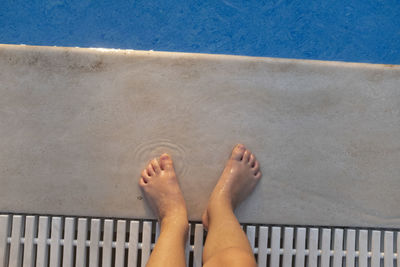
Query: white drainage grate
x=43, y=241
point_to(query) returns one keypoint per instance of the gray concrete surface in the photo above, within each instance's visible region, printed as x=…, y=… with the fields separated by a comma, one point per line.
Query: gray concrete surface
x=78, y=125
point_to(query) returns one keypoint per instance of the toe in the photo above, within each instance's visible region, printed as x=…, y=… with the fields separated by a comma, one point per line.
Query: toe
x=145, y=176
x=238, y=151
x=142, y=182
x=246, y=156
x=166, y=162
x=258, y=175
x=156, y=165
x=252, y=160
x=256, y=166
x=150, y=170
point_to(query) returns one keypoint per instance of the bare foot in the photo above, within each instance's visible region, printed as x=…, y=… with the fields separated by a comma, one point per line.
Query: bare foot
x=161, y=189
x=240, y=176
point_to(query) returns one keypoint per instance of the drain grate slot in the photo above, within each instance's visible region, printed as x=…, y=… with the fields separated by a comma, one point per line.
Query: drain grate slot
x=42, y=241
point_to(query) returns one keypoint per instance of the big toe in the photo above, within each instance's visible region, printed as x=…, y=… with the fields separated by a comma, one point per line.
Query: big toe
x=166, y=162
x=238, y=152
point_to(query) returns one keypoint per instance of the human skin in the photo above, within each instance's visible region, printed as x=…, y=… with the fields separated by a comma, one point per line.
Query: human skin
x=226, y=243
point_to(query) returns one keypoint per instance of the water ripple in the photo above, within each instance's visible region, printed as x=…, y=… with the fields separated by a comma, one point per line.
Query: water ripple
x=144, y=152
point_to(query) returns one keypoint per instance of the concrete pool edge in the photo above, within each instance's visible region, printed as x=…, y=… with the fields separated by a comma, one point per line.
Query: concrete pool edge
x=133, y=52
x=337, y=119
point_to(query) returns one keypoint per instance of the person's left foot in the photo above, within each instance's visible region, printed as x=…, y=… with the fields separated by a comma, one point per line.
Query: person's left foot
x=160, y=185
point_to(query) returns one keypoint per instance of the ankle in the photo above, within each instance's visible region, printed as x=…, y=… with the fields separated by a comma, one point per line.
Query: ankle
x=220, y=201
x=218, y=206
x=175, y=221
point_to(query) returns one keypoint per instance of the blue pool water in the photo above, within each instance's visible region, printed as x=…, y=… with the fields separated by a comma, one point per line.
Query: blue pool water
x=354, y=30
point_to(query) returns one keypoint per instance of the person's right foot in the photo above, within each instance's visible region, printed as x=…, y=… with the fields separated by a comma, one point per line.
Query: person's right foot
x=240, y=176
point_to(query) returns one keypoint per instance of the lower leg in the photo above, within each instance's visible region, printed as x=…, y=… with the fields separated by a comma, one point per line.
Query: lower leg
x=226, y=243
x=226, y=235
x=172, y=238
x=160, y=186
